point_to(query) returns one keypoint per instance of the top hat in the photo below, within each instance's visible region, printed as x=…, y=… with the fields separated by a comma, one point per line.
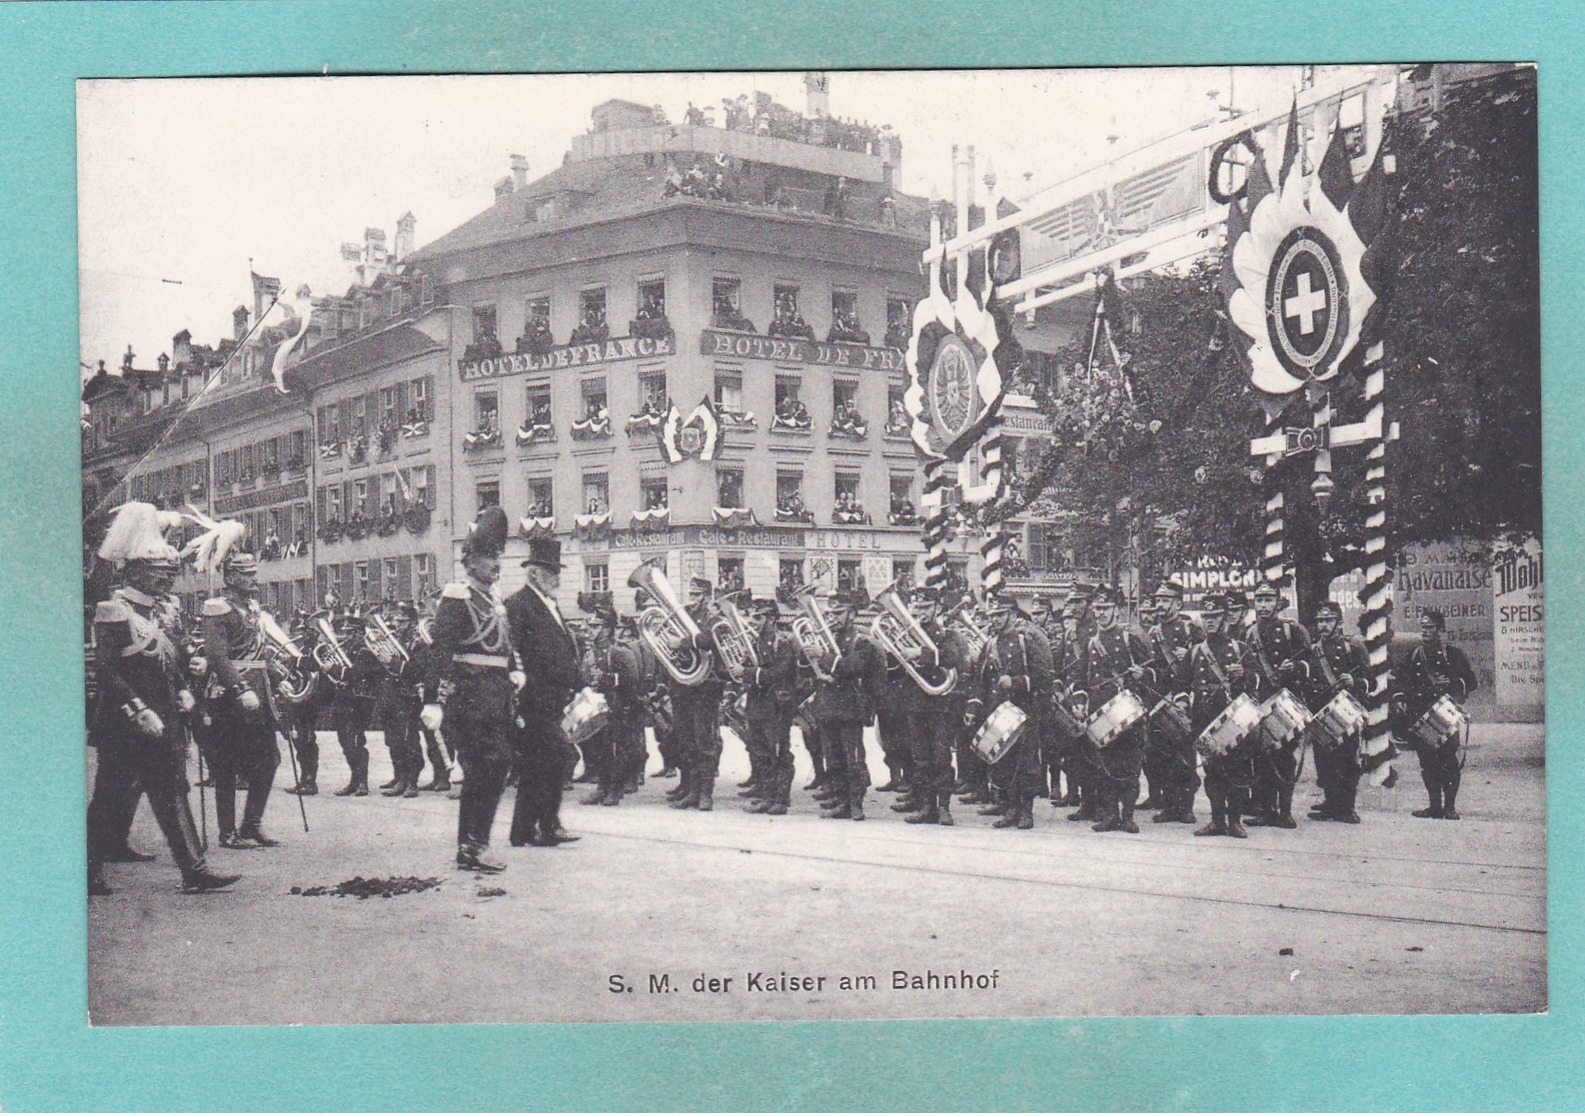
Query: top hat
x=544, y=552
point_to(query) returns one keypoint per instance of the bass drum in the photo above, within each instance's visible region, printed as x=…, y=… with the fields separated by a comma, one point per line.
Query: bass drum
x=1228, y=728
x=1001, y=731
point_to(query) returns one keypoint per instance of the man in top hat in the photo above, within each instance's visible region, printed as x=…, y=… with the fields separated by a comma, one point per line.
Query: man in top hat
x=771, y=690
x=143, y=695
x=844, y=705
x=1171, y=765
x=241, y=697
x=546, y=648
x=1341, y=664
x=1283, y=649
x=1222, y=667
x=1434, y=668
x=933, y=720
x=470, y=677
x=1119, y=660
x=1015, y=667
x=696, y=711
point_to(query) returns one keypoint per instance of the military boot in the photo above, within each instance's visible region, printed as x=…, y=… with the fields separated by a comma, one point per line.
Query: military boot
x=690, y=797
x=200, y=879
x=929, y=810
x=1216, y=828
x=706, y=799
x=684, y=783
x=1434, y=808
x=395, y=790
x=944, y=811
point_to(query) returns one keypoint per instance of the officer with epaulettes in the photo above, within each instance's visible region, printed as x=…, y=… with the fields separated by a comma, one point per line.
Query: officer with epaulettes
x=1172, y=639
x=1282, y=648
x=771, y=700
x=1434, y=668
x=240, y=695
x=1341, y=664
x=143, y=696
x=1015, y=667
x=932, y=720
x=696, y=711
x=844, y=705
x=1222, y=667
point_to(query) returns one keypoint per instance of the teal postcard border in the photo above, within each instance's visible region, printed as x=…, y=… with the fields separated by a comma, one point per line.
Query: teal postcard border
x=50, y=1060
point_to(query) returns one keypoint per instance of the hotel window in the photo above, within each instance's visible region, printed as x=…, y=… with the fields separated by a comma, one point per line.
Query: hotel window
x=789, y=488
x=844, y=309
x=729, y=392
x=389, y=418
x=424, y=487
x=536, y=404
x=899, y=321
x=902, y=490
x=360, y=580
x=726, y=303
x=418, y=393
x=597, y=577
x=897, y=421
x=789, y=410
x=389, y=502
x=360, y=497
x=536, y=309
x=487, y=494
x=591, y=307
x=332, y=502
x=729, y=574
x=541, y=497
x=848, y=575
x=423, y=575
x=486, y=411
x=483, y=323
x=652, y=392
x=654, y=492
x=844, y=396
x=596, y=494
x=790, y=572
x=846, y=486
x=388, y=578
x=652, y=298
x=785, y=301
x=593, y=391
x=729, y=488
x=903, y=572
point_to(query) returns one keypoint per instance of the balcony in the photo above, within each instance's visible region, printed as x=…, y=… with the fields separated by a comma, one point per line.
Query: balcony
x=487, y=437
x=596, y=424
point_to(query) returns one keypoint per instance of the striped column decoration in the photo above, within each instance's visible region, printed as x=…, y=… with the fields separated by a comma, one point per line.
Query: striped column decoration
x=935, y=525
x=1273, y=566
x=1377, y=595
x=992, y=476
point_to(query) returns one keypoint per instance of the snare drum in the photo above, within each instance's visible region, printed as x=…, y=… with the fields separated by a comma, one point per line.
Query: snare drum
x=1118, y=716
x=1438, y=723
x=1228, y=728
x=1170, y=724
x=1341, y=718
x=1282, y=718
x=1000, y=732
x=1069, y=727
x=586, y=715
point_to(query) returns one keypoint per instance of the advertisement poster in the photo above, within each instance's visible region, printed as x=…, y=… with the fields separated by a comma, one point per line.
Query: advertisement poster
x=1520, y=650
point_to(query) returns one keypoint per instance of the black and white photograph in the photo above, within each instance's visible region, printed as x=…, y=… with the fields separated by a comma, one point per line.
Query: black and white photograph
x=812, y=545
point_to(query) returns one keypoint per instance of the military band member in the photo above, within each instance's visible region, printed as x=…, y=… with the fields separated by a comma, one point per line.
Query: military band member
x=1156, y=765
x=1340, y=664
x=1220, y=668
x=397, y=705
x=1070, y=662
x=891, y=731
x=613, y=667
x=241, y=699
x=549, y=653
x=143, y=697
x=1119, y=660
x=352, y=703
x=1172, y=640
x=1434, y=668
x=844, y=705
x=1283, y=650
x=696, y=711
x=300, y=717
x=771, y=690
x=1046, y=612
x=1016, y=668
x=419, y=651
x=933, y=720
x=469, y=686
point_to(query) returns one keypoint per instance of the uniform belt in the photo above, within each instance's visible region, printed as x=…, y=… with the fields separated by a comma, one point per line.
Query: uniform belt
x=477, y=660
x=250, y=664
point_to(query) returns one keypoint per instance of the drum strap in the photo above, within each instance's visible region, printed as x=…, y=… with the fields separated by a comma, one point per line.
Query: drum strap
x=1260, y=651
x=1216, y=668
x=1326, y=666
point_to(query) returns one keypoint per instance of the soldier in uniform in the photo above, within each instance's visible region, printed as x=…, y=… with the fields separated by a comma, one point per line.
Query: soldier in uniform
x=397, y=705
x=1434, y=668
x=1119, y=660
x=696, y=711
x=143, y=695
x=932, y=720
x=771, y=689
x=1220, y=668
x=419, y=650
x=1155, y=765
x=1016, y=668
x=844, y=705
x=613, y=667
x=1070, y=663
x=352, y=706
x=549, y=652
x=1283, y=649
x=470, y=677
x=300, y=719
x=891, y=730
x=241, y=698
x=1172, y=640
x=1341, y=664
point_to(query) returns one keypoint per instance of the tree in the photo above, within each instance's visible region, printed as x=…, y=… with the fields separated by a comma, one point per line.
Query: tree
x=1166, y=476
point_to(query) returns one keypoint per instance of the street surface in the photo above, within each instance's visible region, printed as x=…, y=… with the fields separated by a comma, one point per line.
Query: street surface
x=634, y=922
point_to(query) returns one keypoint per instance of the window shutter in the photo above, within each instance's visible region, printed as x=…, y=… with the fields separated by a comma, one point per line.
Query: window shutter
x=374, y=580
x=401, y=401
x=404, y=576
x=429, y=490
x=371, y=411
x=344, y=417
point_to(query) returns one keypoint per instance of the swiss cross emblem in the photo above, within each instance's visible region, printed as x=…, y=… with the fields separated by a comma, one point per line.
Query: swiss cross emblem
x=1306, y=302
x=690, y=440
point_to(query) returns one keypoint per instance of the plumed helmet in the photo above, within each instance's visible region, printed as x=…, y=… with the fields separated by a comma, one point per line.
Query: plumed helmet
x=487, y=534
x=137, y=535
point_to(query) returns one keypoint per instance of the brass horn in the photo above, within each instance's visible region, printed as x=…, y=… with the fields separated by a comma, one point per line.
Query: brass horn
x=331, y=657
x=734, y=640
x=667, y=628
x=814, y=633
x=897, y=630
x=383, y=643
x=962, y=620
x=284, y=659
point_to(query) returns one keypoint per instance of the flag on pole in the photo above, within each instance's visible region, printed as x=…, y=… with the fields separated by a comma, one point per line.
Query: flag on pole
x=702, y=431
x=666, y=433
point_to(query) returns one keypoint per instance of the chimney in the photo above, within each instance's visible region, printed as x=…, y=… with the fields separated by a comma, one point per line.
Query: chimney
x=519, y=172
x=239, y=323
x=817, y=86
x=126, y=358
x=405, y=226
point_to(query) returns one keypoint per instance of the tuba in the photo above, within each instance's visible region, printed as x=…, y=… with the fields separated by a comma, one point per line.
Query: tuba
x=814, y=633
x=383, y=643
x=897, y=630
x=283, y=660
x=961, y=619
x=667, y=629
x=331, y=657
x=734, y=640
